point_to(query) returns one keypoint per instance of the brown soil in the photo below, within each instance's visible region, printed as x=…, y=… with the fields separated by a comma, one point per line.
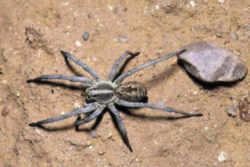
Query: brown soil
x=33, y=32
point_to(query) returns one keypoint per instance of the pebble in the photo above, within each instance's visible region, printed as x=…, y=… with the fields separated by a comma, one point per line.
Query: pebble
x=90, y=147
x=223, y=156
x=85, y=36
x=101, y=152
x=232, y=111
x=192, y=3
x=235, y=35
x=78, y=43
x=210, y=63
x=221, y=1
x=110, y=7
x=123, y=39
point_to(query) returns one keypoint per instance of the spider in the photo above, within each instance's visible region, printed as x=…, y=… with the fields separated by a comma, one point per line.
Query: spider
x=109, y=94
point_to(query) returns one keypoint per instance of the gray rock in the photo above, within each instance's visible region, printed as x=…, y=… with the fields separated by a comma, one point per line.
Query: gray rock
x=85, y=36
x=210, y=63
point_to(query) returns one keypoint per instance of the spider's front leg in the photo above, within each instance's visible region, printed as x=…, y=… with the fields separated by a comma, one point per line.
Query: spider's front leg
x=141, y=67
x=84, y=80
x=115, y=69
x=125, y=103
x=81, y=64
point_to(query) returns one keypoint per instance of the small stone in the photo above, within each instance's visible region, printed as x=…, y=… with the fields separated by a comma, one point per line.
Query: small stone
x=123, y=39
x=232, y=111
x=157, y=7
x=85, y=36
x=78, y=43
x=101, y=152
x=110, y=7
x=221, y=1
x=90, y=147
x=192, y=3
x=223, y=157
x=235, y=35
x=210, y=63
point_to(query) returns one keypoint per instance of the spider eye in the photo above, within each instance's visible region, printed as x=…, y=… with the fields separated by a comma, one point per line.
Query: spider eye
x=132, y=91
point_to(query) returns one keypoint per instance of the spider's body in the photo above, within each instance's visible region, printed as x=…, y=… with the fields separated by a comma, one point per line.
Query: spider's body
x=105, y=92
x=108, y=94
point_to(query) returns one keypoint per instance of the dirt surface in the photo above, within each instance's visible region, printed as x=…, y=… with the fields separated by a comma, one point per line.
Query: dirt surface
x=32, y=34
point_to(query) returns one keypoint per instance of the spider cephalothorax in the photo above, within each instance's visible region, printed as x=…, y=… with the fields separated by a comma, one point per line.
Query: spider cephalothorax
x=109, y=94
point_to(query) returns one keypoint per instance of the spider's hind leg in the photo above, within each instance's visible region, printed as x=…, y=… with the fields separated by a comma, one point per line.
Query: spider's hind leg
x=151, y=106
x=120, y=125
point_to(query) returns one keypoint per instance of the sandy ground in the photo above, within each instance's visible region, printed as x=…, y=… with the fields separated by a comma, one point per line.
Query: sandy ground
x=154, y=28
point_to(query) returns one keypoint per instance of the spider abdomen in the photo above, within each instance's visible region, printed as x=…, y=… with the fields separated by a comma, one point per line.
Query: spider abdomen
x=131, y=91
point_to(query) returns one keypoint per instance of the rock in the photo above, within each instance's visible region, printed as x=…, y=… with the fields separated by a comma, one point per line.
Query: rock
x=210, y=63
x=85, y=36
x=223, y=157
x=232, y=111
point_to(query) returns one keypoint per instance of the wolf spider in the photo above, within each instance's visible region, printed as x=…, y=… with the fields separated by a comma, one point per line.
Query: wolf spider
x=109, y=94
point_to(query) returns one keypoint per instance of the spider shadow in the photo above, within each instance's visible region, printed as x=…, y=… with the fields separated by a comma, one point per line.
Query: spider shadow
x=159, y=78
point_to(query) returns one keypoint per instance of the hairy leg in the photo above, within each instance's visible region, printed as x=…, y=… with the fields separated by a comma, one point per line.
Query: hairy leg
x=81, y=64
x=141, y=67
x=64, y=116
x=168, y=109
x=63, y=77
x=115, y=68
x=92, y=116
x=120, y=124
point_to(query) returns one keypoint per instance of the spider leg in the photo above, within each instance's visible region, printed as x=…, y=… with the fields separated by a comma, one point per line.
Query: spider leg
x=64, y=116
x=115, y=68
x=92, y=116
x=168, y=109
x=120, y=124
x=141, y=67
x=83, y=65
x=63, y=77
